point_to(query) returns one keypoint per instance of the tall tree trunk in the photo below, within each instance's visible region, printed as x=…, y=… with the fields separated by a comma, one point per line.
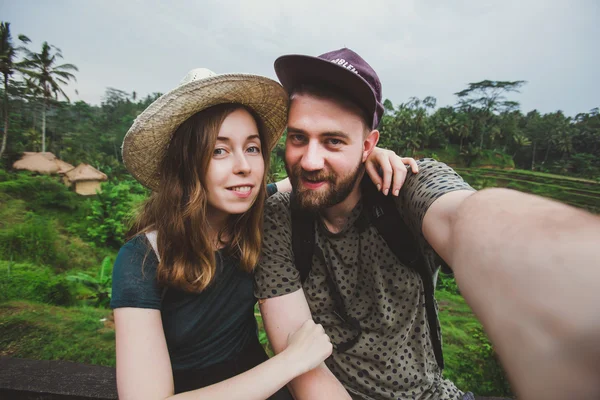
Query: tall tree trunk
x=533, y=157
x=44, y=127
x=115, y=150
x=547, y=151
x=5, y=133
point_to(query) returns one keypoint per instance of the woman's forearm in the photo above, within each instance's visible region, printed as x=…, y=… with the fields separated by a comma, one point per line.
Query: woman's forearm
x=257, y=383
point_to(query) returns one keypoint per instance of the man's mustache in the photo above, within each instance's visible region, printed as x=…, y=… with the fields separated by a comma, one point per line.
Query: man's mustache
x=314, y=176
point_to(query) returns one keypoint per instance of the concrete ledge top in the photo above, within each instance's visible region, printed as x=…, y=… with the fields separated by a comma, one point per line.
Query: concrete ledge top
x=57, y=377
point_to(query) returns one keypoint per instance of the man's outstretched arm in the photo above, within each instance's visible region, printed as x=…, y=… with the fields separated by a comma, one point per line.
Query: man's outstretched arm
x=529, y=268
x=282, y=316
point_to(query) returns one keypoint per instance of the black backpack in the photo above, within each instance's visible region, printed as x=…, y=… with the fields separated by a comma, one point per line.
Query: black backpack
x=382, y=213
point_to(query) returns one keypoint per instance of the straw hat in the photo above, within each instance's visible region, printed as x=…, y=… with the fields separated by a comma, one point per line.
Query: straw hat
x=147, y=140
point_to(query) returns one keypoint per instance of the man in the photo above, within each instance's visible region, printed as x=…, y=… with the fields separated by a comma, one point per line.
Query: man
x=373, y=306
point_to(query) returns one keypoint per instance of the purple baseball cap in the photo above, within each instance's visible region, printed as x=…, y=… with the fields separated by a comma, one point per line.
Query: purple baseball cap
x=343, y=69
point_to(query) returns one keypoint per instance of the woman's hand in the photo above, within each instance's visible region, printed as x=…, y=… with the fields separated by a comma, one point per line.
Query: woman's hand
x=393, y=168
x=308, y=347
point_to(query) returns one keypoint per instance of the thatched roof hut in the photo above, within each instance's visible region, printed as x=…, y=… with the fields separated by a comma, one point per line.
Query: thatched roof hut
x=37, y=162
x=63, y=167
x=86, y=179
x=44, y=163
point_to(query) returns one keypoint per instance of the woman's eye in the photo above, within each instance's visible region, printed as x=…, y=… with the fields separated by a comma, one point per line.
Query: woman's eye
x=218, y=152
x=254, y=149
x=297, y=138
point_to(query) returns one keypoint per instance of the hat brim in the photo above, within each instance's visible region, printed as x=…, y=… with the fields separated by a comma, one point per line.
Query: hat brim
x=146, y=142
x=296, y=69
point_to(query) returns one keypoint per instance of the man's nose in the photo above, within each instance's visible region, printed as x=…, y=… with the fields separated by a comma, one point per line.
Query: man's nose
x=312, y=160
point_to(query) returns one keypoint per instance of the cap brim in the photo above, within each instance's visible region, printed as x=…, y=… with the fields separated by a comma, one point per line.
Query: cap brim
x=295, y=69
x=147, y=140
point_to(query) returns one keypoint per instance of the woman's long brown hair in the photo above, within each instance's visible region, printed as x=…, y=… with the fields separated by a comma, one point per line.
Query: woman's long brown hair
x=178, y=210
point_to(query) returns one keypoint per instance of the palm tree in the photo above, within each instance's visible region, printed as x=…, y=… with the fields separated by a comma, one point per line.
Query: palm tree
x=8, y=66
x=520, y=141
x=46, y=77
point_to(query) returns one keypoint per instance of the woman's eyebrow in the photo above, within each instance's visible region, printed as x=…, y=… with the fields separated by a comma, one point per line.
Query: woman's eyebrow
x=226, y=139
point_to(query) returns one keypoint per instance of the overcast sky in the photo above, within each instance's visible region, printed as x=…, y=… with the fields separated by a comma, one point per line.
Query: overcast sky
x=418, y=47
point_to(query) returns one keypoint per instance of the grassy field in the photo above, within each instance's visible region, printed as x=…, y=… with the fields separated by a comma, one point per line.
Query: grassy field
x=44, y=332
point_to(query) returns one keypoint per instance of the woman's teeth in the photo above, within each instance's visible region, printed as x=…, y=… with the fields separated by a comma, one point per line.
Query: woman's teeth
x=242, y=189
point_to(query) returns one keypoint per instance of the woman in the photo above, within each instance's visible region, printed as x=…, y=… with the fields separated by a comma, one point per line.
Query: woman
x=182, y=286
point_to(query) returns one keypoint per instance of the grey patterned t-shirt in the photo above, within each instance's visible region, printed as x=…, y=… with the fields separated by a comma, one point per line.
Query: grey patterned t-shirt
x=393, y=358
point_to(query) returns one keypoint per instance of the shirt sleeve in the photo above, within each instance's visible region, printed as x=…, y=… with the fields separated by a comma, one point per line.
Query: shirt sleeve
x=271, y=189
x=276, y=274
x=134, y=276
x=434, y=180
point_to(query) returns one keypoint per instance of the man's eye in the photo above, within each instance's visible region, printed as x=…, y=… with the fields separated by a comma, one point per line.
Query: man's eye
x=335, y=142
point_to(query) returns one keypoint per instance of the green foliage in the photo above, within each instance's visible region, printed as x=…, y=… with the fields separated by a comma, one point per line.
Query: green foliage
x=469, y=357
x=494, y=159
x=478, y=368
x=35, y=239
x=25, y=281
x=111, y=210
x=583, y=164
x=45, y=332
x=4, y=175
x=447, y=283
x=34, y=224
x=40, y=191
x=277, y=170
x=262, y=335
x=99, y=285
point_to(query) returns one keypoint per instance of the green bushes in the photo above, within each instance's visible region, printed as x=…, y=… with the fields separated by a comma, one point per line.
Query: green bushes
x=447, y=283
x=111, y=210
x=98, y=288
x=26, y=281
x=470, y=360
x=40, y=192
x=4, y=175
x=477, y=369
x=32, y=240
x=46, y=332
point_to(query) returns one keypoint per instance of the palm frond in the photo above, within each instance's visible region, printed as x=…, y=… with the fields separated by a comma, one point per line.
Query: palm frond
x=66, y=67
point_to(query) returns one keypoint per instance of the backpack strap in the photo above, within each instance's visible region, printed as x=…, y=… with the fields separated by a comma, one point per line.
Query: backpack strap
x=152, y=237
x=384, y=215
x=303, y=238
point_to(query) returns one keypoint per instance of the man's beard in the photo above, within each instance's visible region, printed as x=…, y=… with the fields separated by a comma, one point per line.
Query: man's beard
x=338, y=188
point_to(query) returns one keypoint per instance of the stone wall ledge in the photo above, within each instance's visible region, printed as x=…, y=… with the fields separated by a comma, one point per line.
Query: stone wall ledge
x=23, y=379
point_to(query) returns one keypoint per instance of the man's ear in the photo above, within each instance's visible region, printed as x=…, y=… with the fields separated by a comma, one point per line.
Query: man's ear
x=369, y=143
